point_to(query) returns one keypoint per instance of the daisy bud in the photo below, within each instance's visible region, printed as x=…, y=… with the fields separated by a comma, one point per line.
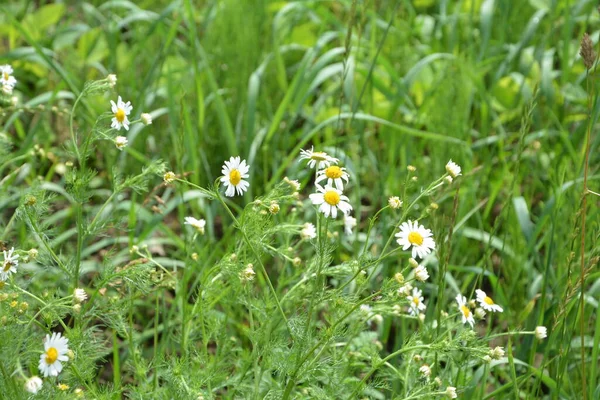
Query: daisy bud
x=14, y=101
x=248, y=273
x=434, y=206
x=77, y=308
x=78, y=392
x=146, y=118
x=497, y=353
x=23, y=306
x=417, y=358
x=297, y=261
x=7, y=89
x=451, y=392
x=437, y=381
x=33, y=253
x=169, y=177
x=414, y=179
x=421, y=273
x=121, y=142
x=294, y=184
x=425, y=371
x=195, y=256
x=378, y=319
x=63, y=387
x=69, y=164
x=405, y=290
x=541, y=332
x=3, y=297
x=71, y=354
x=33, y=384
x=233, y=257
x=274, y=207
x=444, y=314
x=13, y=304
x=397, y=309
x=487, y=359
x=448, y=179
x=413, y=263
x=395, y=202
x=112, y=80
x=79, y=295
x=134, y=249
x=479, y=313
x=422, y=317
x=411, y=168
x=453, y=169
x=472, y=303
x=399, y=277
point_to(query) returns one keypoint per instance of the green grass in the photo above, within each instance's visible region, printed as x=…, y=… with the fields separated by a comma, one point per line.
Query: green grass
x=496, y=86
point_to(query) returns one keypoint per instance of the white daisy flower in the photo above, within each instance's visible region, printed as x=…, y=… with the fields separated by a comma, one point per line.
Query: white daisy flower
x=395, y=202
x=198, y=224
x=146, y=118
x=334, y=175
x=453, y=169
x=308, y=231
x=541, y=332
x=451, y=392
x=421, y=273
x=497, y=353
x=79, y=295
x=6, y=78
x=33, y=384
x=121, y=142
x=320, y=159
x=467, y=315
x=9, y=265
x=169, y=177
x=416, y=236
x=120, y=110
x=416, y=302
x=55, y=351
x=234, y=171
x=486, y=302
x=329, y=200
x=349, y=224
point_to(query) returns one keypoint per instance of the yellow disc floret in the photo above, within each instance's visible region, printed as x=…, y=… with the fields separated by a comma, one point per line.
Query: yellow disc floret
x=332, y=197
x=235, y=177
x=333, y=172
x=120, y=115
x=488, y=300
x=415, y=238
x=51, y=355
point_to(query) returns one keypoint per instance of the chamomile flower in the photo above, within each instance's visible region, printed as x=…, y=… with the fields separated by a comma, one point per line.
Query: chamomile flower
x=146, y=118
x=308, y=231
x=9, y=265
x=451, y=392
x=465, y=312
x=453, y=169
x=120, y=110
x=234, y=171
x=421, y=273
x=416, y=302
x=414, y=235
x=33, y=384
x=349, y=224
x=329, y=200
x=6, y=78
x=121, y=142
x=79, y=295
x=425, y=370
x=55, y=350
x=541, y=332
x=197, y=224
x=334, y=175
x=320, y=159
x=294, y=184
x=486, y=302
x=395, y=202
x=496, y=353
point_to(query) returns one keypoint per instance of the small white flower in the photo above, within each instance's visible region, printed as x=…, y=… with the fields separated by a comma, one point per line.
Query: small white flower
x=334, y=175
x=146, y=118
x=308, y=231
x=425, y=370
x=349, y=224
x=234, y=171
x=169, y=177
x=112, y=80
x=395, y=202
x=294, y=184
x=486, y=302
x=9, y=265
x=121, y=142
x=79, y=295
x=479, y=313
x=55, y=351
x=329, y=200
x=416, y=302
x=541, y=332
x=248, y=273
x=421, y=273
x=33, y=384
x=465, y=312
x=416, y=236
x=451, y=392
x=6, y=78
x=33, y=253
x=448, y=179
x=197, y=224
x=497, y=353
x=320, y=159
x=405, y=290
x=453, y=169
x=120, y=110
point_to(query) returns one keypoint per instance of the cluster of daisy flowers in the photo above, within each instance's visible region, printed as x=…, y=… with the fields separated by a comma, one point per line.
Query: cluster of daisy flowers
x=121, y=111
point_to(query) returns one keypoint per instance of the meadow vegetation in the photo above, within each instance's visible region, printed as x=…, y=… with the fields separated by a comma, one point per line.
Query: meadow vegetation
x=348, y=199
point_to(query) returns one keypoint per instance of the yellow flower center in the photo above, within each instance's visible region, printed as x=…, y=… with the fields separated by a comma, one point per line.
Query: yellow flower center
x=7, y=265
x=416, y=300
x=319, y=156
x=332, y=198
x=6, y=76
x=235, y=177
x=333, y=172
x=415, y=238
x=51, y=355
x=120, y=115
x=488, y=300
x=465, y=310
